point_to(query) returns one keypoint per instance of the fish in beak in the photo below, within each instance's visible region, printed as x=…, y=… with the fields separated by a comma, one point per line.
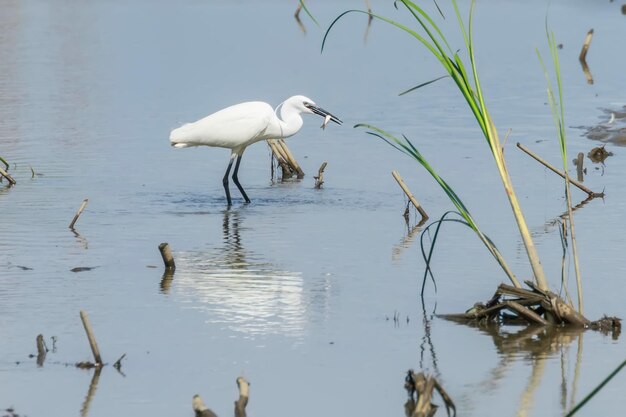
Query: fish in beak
x=326, y=114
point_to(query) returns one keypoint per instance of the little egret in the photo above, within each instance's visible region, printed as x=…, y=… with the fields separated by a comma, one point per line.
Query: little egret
x=236, y=127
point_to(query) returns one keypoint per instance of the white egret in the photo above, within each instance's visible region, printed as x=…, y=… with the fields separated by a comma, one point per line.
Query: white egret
x=236, y=127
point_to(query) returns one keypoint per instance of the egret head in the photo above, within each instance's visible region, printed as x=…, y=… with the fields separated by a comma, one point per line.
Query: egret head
x=306, y=105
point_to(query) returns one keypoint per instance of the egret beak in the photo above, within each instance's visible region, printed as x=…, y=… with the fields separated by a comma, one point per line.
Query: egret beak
x=327, y=115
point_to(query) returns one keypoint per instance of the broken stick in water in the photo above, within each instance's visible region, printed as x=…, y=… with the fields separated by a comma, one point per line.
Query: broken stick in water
x=244, y=394
x=92, y=338
x=118, y=363
x=583, y=53
x=79, y=212
x=42, y=350
x=406, y=190
x=200, y=408
x=319, y=180
x=580, y=161
x=556, y=171
x=583, y=57
x=7, y=176
x=168, y=258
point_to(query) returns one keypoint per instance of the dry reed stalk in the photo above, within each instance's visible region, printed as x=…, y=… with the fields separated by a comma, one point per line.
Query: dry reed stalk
x=408, y=193
x=583, y=57
x=244, y=394
x=168, y=258
x=319, y=180
x=583, y=53
x=79, y=212
x=7, y=176
x=41, y=345
x=556, y=171
x=580, y=161
x=200, y=408
x=570, y=215
x=92, y=338
x=290, y=159
x=282, y=161
x=42, y=350
x=118, y=363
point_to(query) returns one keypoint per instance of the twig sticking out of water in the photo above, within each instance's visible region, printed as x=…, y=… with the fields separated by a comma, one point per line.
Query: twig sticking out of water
x=408, y=193
x=580, y=161
x=118, y=363
x=92, y=339
x=583, y=53
x=7, y=176
x=78, y=213
x=200, y=408
x=168, y=258
x=41, y=350
x=556, y=171
x=244, y=394
x=583, y=57
x=319, y=180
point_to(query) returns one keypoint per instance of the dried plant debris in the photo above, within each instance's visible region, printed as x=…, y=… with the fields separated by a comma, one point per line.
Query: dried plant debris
x=511, y=305
x=608, y=324
x=200, y=408
x=421, y=389
x=599, y=154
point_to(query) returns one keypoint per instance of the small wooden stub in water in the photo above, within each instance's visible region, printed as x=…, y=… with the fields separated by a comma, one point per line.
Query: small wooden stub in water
x=168, y=258
x=319, y=180
x=79, y=212
x=244, y=394
x=583, y=52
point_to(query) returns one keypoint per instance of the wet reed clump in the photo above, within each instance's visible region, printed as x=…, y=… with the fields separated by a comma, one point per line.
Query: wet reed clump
x=511, y=305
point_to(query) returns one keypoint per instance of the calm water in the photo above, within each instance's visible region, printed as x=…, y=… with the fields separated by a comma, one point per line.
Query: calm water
x=295, y=291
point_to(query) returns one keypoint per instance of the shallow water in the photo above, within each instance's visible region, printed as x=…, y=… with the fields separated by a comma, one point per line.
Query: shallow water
x=296, y=291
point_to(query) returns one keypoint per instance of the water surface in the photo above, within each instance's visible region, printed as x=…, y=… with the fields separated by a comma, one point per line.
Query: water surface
x=296, y=291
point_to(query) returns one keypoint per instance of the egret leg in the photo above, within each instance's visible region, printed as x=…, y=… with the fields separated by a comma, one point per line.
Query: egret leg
x=225, y=182
x=236, y=180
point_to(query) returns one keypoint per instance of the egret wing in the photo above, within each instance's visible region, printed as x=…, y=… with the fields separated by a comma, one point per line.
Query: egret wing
x=232, y=127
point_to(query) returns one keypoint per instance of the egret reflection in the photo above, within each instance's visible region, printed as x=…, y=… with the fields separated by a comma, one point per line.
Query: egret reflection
x=239, y=287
